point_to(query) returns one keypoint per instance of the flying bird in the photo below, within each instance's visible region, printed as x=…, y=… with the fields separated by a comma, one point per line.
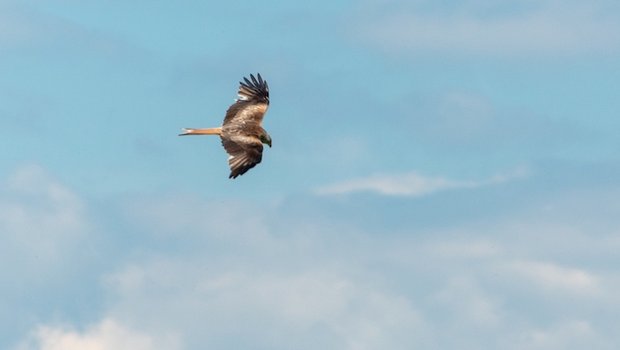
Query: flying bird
x=242, y=133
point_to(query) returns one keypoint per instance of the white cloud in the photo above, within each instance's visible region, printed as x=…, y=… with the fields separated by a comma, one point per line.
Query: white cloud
x=355, y=290
x=503, y=28
x=107, y=335
x=555, y=278
x=572, y=334
x=469, y=304
x=40, y=218
x=45, y=247
x=411, y=184
x=278, y=278
x=271, y=309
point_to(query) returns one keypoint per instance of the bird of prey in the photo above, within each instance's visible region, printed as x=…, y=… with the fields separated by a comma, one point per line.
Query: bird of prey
x=242, y=133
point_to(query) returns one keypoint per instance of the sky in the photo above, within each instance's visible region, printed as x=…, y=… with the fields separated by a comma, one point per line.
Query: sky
x=444, y=175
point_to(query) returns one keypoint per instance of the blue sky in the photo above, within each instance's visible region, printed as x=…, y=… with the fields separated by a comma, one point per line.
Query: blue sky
x=444, y=174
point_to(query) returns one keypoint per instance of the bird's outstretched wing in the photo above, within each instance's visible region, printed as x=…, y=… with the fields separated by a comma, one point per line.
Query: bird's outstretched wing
x=242, y=125
x=244, y=153
x=252, y=104
x=241, y=133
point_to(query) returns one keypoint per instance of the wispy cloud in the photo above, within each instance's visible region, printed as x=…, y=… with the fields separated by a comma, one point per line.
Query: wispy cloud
x=572, y=334
x=39, y=216
x=412, y=184
x=502, y=28
x=471, y=303
x=242, y=300
x=556, y=278
x=322, y=286
x=106, y=335
x=233, y=274
x=45, y=246
x=23, y=28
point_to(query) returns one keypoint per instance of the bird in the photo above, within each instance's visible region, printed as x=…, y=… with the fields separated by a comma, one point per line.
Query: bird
x=242, y=133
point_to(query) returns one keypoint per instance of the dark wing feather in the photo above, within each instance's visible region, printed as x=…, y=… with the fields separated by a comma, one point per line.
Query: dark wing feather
x=252, y=102
x=244, y=154
x=255, y=90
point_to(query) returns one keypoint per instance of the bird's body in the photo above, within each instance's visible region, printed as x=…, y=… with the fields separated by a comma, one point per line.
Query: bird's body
x=242, y=133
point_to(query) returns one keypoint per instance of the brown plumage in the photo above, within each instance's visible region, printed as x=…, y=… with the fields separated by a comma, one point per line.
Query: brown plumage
x=242, y=133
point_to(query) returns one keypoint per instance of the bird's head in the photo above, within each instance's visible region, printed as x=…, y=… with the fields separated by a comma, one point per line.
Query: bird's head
x=266, y=139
